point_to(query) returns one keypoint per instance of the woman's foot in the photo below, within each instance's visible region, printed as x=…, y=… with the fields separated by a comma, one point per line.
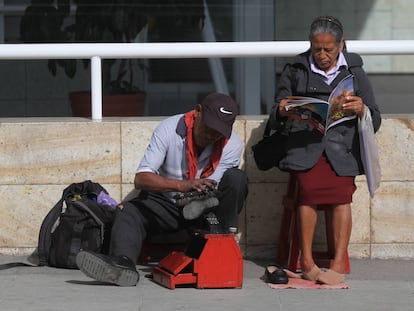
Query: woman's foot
x=312, y=274
x=330, y=277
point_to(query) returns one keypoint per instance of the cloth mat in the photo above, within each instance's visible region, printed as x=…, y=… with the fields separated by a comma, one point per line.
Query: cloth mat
x=296, y=281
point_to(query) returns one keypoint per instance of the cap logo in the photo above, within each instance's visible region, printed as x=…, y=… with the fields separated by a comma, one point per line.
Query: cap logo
x=222, y=110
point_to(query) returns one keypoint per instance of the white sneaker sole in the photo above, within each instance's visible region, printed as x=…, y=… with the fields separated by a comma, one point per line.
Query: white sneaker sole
x=98, y=269
x=196, y=208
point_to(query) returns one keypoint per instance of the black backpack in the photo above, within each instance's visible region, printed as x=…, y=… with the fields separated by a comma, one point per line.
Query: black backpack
x=82, y=224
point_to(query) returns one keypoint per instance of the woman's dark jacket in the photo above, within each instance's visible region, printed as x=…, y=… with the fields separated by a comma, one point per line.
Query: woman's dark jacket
x=341, y=142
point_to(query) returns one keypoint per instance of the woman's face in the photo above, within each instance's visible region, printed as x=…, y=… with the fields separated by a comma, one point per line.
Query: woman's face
x=325, y=51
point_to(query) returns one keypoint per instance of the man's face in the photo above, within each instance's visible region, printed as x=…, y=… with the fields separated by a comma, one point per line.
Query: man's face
x=202, y=134
x=325, y=51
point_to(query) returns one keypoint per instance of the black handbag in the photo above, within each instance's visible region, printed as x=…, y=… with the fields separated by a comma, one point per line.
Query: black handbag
x=268, y=152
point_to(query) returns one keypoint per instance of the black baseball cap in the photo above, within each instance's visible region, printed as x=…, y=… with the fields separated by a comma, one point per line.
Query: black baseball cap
x=219, y=112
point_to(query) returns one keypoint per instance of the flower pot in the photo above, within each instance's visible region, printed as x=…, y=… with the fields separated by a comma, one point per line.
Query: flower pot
x=122, y=105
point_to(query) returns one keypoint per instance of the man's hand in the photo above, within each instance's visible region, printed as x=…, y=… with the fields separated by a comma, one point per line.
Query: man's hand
x=152, y=182
x=202, y=184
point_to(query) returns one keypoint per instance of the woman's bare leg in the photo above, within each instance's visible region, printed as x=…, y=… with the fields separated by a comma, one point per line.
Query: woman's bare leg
x=307, y=222
x=342, y=227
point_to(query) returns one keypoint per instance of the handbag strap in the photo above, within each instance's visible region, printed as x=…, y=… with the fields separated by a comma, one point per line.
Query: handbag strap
x=267, y=129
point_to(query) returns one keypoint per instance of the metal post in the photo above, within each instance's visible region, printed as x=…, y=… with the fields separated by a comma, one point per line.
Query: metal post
x=96, y=84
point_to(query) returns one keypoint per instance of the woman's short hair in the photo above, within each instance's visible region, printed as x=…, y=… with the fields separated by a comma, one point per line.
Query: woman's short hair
x=326, y=24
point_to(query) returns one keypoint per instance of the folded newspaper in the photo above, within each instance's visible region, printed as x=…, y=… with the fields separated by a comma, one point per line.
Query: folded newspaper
x=319, y=113
x=369, y=152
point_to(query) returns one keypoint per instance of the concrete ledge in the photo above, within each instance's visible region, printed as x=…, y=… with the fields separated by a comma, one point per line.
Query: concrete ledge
x=39, y=157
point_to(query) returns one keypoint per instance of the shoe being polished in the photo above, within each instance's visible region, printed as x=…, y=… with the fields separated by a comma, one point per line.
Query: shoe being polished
x=116, y=270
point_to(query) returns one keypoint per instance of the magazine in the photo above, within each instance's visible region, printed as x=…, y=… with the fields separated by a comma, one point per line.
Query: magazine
x=323, y=114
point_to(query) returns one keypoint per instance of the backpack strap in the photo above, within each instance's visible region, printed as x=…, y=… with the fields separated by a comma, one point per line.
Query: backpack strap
x=93, y=215
x=46, y=228
x=75, y=243
x=78, y=228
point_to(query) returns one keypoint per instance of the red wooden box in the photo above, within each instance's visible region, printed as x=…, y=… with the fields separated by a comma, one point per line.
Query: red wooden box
x=210, y=261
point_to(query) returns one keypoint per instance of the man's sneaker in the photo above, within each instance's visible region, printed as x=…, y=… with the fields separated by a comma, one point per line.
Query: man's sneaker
x=117, y=270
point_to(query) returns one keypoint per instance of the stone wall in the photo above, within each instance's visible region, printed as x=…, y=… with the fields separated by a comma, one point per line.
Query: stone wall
x=40, y=157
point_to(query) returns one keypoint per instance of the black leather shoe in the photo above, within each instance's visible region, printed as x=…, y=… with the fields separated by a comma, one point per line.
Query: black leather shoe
x=116, y=270
x=276, y=275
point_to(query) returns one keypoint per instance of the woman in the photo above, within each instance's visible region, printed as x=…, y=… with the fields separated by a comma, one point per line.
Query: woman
x=324, y=165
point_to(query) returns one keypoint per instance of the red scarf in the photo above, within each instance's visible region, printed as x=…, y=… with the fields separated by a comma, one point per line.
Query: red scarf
x=191, y=152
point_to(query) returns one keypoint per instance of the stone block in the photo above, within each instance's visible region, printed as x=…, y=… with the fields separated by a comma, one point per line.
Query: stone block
x=396, y=149
x=59, y=152
x=359, y=250
x=392, y=219
x=361, y=215
x=135, y=137
x=392, y=251
x=263, y=212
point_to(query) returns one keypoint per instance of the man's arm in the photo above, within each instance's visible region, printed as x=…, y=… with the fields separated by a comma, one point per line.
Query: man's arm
x=152, y=182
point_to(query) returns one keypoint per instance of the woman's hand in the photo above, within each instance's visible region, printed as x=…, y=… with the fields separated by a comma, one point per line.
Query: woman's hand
x=282, y=110
x=353, y=104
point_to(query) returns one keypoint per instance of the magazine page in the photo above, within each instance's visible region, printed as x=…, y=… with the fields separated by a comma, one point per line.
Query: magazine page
x=316, y=105
x=336, y=99
x=319, y=113
x=310, y=110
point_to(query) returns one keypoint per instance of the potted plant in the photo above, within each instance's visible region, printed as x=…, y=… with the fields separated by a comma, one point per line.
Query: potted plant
x=94, y=21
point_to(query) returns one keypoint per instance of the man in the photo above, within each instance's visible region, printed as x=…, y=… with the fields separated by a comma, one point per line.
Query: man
x=195, y=151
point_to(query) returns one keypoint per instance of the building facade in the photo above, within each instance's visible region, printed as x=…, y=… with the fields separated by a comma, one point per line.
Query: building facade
x=28, y=89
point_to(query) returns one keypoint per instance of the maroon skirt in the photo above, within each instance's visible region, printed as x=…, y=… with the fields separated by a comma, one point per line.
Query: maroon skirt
x=321, y=185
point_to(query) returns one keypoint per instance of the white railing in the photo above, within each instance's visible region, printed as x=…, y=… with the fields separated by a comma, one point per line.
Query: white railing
x=98, y=51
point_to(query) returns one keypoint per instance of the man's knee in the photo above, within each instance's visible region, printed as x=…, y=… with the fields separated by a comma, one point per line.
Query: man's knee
x=234, y=177
x=233, y=188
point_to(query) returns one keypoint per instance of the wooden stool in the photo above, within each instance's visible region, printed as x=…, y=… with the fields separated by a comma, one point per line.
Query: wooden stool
x=288, y=252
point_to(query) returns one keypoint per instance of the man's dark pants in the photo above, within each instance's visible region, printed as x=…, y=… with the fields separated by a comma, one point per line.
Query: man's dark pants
x=152, y=213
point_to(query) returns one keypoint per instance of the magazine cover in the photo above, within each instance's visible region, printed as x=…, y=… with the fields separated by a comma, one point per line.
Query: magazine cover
x=322, y=114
